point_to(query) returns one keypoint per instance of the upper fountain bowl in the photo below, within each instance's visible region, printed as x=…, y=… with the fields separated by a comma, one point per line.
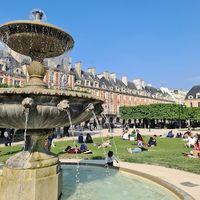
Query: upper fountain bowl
x=36, y=39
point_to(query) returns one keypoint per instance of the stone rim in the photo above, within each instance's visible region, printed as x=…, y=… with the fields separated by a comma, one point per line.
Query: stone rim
x=33, y=29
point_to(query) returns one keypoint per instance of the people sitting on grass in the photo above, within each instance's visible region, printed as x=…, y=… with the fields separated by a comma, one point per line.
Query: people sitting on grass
x=110, y=159
x=132, y=136
x=191, y=140
x=125, y=134
x=140, y=140
x=179, y=135
x=88, y=138
x=80, y=138
x=170, y=134
x=195, y=153
x=84, y=149
x=152, y=141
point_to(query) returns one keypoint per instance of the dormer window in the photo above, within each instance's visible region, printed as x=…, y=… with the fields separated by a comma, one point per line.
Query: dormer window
x=198, y=95
x=78, y=82
x=117, y=88
x=123, y=89
x=16, y=82
x=87, y=83
x=190, y=97
x=104, y=86
x=111, y=88
x=96, y=84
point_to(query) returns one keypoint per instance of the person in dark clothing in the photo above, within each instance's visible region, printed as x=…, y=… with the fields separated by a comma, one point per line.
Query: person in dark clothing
x=152, y=141
x=88, y=138
x=66, y=131
x=8, y=134
x=11, y=134
x=80, y=138
x=170, y=134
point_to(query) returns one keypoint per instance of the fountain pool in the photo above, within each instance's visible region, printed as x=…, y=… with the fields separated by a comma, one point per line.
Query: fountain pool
x=96, y=184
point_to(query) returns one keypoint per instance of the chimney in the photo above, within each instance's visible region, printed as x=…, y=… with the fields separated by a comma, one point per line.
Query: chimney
x=106, y=75
x=100, y=75
x=92, y=70
x=139, y=83
x=125, y=80
x=77, y=67
x=113, y=76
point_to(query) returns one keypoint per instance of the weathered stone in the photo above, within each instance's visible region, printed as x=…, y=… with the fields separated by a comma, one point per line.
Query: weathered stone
x=31, y=184
x=35, y=174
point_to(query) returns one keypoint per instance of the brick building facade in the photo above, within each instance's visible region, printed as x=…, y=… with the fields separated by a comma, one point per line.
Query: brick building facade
x=114, y=92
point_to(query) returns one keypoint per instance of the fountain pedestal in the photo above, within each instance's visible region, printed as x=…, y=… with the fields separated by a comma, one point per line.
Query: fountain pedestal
x=31, y=184
x=36, y=152
x=35, y=173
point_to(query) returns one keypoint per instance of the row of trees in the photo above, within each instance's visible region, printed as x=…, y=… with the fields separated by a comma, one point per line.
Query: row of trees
x=5, y=85
x=160, y=112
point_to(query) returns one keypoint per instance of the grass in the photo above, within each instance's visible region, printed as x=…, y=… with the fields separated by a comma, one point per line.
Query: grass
x=168, y=153
x=6, y=152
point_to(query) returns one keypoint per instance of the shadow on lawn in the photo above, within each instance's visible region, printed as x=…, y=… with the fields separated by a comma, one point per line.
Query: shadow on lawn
x=9, y=153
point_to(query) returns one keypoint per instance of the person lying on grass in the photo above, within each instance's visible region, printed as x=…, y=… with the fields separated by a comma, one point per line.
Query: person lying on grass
x=105, y=144
x=140, y=147
x=73, y=150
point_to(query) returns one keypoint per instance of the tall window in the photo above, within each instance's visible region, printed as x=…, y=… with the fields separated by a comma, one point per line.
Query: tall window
x=16, y=82
x=191, y=104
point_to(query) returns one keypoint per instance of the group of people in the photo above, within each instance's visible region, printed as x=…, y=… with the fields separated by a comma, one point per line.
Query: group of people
x=83, y=147
x=141, y=144
x=8, y=135
x=76, y=150
x=192, y=141
x=87, y=139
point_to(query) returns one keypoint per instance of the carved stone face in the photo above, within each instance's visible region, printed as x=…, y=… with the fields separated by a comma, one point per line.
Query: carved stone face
x=47, y=108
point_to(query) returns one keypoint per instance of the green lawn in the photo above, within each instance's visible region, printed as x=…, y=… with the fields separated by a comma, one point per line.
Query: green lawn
x=168, y=153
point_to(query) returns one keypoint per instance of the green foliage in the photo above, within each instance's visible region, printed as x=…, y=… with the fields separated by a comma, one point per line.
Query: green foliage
x=3, y=85
x=160, y=112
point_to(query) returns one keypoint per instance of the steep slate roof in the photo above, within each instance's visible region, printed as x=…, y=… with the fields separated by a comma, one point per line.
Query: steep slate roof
x=11, y=64
x=120, y=84
x=193, y=91
x=89, y=76
x=131, y=86
x=104, y=81
x=152, y=90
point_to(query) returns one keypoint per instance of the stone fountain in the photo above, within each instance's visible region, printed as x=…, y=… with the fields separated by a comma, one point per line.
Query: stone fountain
x=35, y=173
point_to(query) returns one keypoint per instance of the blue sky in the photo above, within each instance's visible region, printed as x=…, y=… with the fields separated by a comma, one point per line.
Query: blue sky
x=156, y=40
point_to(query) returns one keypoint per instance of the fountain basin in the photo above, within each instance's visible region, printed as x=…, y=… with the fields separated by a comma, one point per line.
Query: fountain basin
x=102, y=183
x=36, y=38
x=44, y=112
